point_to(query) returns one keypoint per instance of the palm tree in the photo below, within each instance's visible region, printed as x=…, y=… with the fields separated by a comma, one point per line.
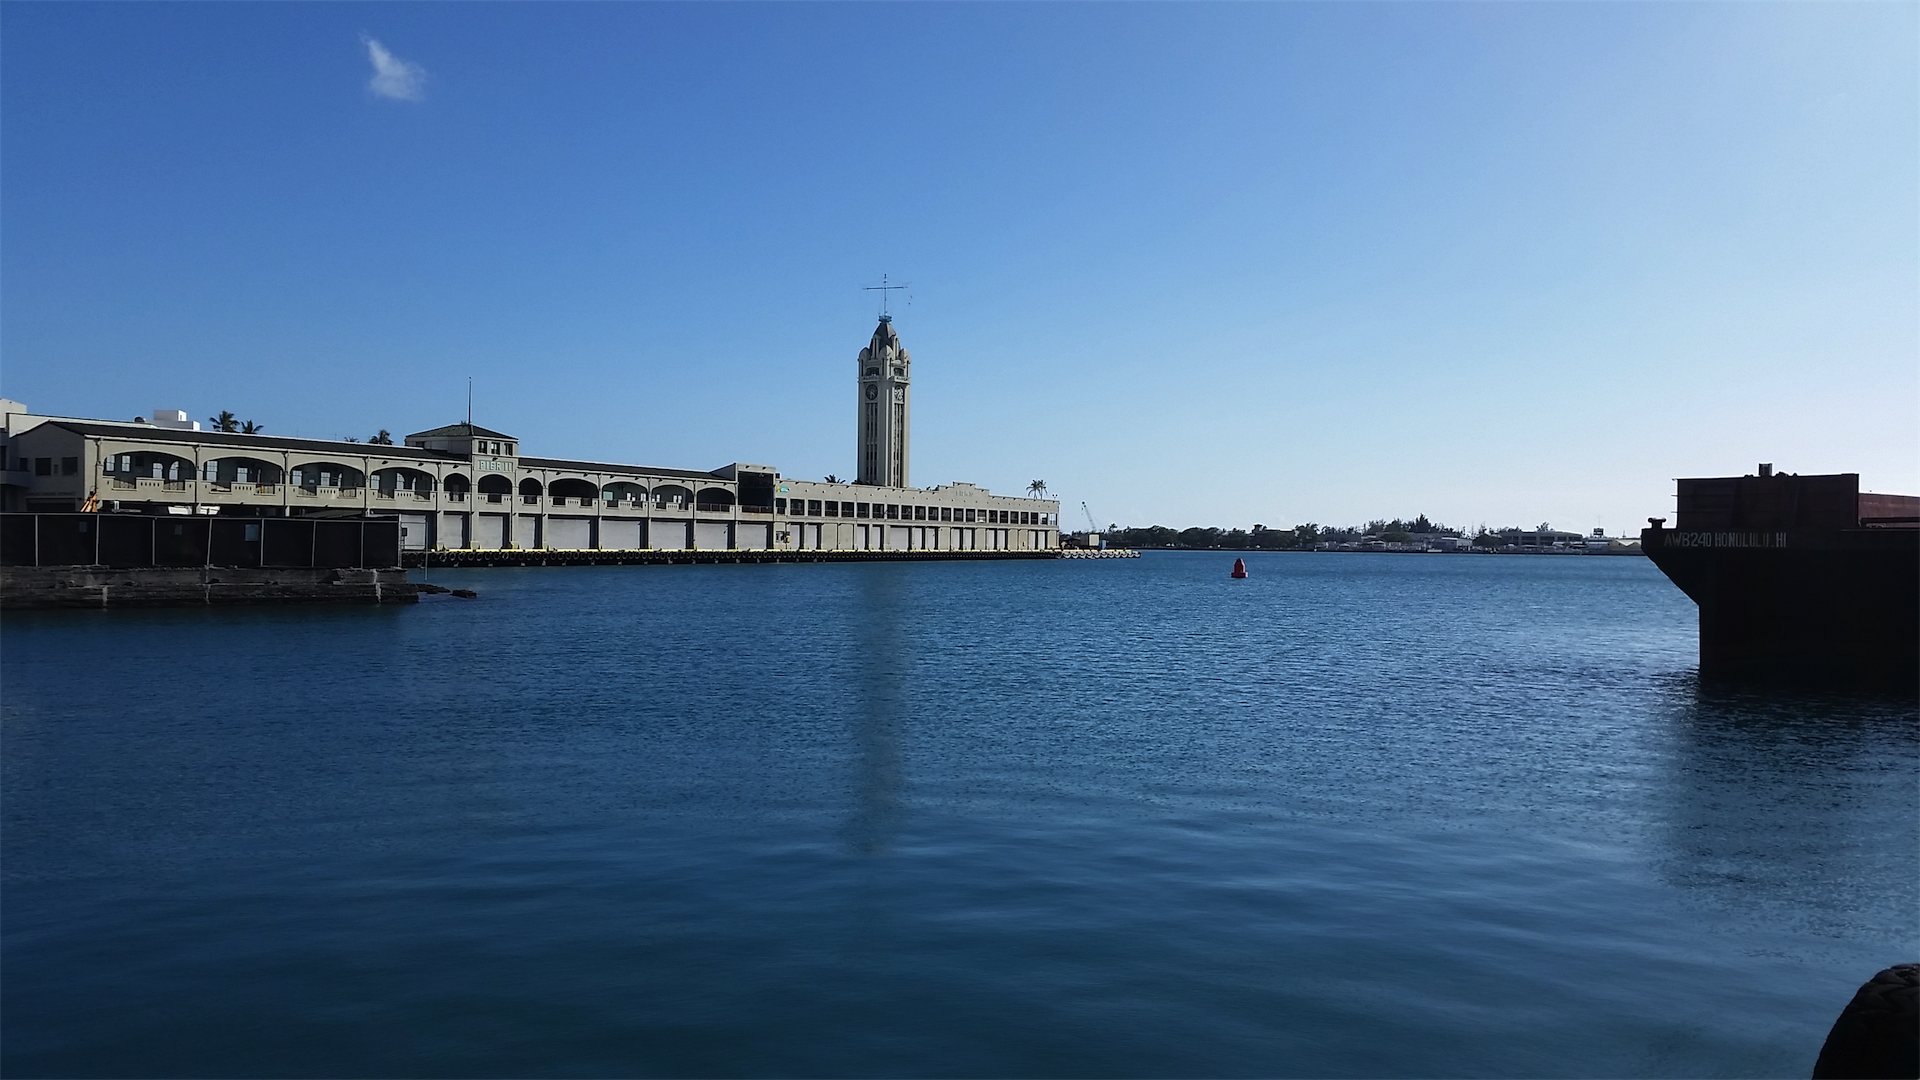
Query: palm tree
x=382, y=439
x=251, y=428
x=225, y=421
x=349, y=438
x=832, y=479
x=1037, y=489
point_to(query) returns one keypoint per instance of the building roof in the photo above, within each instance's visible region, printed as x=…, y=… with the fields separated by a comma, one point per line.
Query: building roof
x=461, y=429
x=144, y=432
x=624, y=470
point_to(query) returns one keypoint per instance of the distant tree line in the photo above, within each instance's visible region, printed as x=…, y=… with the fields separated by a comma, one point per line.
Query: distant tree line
x=1261, y=538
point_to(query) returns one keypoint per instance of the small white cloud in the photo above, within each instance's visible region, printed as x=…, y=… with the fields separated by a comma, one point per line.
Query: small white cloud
x=393, y=77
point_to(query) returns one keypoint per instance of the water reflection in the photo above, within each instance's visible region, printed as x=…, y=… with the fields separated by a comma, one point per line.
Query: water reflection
x=879, y=666
x=1793, y=808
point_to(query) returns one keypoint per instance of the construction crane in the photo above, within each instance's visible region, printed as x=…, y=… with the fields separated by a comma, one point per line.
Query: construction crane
x=1092, y=529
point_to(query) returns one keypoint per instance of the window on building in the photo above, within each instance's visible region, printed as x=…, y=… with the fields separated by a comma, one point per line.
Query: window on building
x=509, y=448
x=813, y=507
x=833, y=508
x=779, y=506
x=860, y=509
x=43, y=466
x=107, y=465
x=919, y=513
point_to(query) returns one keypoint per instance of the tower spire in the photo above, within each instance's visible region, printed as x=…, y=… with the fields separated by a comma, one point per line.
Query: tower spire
x=883, y=289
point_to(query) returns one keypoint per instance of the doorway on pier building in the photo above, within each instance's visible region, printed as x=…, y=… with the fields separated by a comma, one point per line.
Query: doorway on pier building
x=490, y=532
x=570, y=533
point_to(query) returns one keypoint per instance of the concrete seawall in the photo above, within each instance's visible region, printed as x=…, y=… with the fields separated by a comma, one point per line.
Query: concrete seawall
x=49, y=587
x=548, y=557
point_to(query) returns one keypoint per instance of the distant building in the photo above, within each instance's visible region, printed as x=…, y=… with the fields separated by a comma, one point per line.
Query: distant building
x=466, y=486
x=1540, y=538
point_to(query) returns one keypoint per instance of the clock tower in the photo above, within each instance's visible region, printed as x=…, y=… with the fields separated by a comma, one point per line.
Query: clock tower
x=885, y=395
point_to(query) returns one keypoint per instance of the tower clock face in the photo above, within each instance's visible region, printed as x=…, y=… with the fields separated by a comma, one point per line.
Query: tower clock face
x=872, y=392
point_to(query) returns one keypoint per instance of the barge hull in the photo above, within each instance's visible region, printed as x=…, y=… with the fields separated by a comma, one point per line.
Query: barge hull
x=1797, y=578
x=1840, y=609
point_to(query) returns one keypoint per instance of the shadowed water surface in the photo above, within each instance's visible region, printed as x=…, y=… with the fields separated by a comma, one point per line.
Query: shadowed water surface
x=1356, y=816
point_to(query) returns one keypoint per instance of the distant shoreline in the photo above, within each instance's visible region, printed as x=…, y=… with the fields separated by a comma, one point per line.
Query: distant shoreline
x=1380, y=551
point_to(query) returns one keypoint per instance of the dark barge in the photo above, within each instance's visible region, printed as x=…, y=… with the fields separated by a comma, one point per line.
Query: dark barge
x=1798, y=578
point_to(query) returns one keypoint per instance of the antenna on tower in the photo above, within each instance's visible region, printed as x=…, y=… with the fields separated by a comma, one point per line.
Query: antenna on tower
x=883, y=289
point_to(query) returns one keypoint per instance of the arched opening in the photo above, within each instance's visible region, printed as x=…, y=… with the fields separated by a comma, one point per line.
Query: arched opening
x=222, y=473
x=530, y=490
x=398, y=482
x=671, y=497
x=315, y=476
x=127, y=470
x=457, y=487
x=623, y=493
x=713, y=498
x=573, y=491
x=495, y=487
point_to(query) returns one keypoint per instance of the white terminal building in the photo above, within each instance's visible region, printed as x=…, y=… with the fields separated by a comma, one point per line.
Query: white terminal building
x=466, y=486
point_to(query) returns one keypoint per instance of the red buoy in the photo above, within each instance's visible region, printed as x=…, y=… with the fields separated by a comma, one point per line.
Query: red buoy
x=1239, y=568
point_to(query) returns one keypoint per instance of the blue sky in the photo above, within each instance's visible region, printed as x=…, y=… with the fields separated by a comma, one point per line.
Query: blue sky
x=1193, y=264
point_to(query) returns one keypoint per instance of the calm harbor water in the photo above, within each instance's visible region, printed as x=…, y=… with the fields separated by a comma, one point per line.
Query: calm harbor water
x=1357, y=816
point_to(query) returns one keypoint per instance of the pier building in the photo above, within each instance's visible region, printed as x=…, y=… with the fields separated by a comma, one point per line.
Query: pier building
x=463, y=486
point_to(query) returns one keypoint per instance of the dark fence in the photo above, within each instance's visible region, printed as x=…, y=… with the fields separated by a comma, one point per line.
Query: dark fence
x=139, y=540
